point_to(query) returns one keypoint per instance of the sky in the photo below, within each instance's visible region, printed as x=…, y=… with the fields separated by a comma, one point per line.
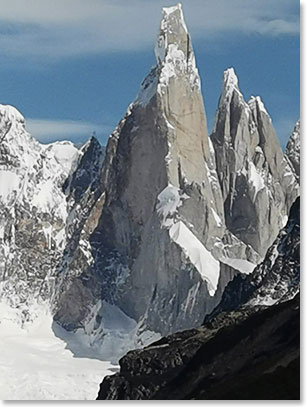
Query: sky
x=72, y=67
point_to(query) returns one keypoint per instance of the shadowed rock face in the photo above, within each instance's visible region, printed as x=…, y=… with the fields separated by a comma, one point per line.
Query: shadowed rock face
x=258, y=184
x=275, y=279
x=244, y=355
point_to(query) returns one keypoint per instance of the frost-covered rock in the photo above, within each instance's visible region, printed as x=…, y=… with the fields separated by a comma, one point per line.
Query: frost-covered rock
x=33, y=211
x=293, y=149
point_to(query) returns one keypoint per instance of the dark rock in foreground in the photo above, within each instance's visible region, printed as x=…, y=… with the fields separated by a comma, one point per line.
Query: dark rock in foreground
x=244, y=355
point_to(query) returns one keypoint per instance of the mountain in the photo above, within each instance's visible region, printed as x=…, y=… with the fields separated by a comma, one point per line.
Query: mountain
x=139, y=240
x=246, y=348
x=33, y=211
x=258, y=185
x=153, y=259
x=168, y=230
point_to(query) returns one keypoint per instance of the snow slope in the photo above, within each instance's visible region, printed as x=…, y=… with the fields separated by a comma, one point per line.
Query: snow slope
x=37, y=366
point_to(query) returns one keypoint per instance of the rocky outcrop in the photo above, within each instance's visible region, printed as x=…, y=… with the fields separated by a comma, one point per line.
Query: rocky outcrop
x=239, y=357
x=293, y=149
x=258, y=185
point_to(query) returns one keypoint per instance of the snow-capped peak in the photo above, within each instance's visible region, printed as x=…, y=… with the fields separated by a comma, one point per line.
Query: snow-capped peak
x=230, y=85
x=173, y=33
x=173, y=16
x=10, y=113
x=174, y=55
x=254, y=102
x=230, y=79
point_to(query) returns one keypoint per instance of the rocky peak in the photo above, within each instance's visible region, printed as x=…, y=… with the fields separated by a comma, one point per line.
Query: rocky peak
x=173, y=32
x=252, y=171
x=162, y=202
x=230, y=85
x=257, y=106
x=173, y=50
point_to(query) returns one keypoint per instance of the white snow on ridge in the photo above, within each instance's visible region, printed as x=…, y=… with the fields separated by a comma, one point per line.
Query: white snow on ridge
x=11, y=113
x=64, y=152
x=207, y=266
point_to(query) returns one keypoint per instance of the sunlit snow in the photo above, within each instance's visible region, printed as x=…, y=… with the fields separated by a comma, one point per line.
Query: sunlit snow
x=200, y=257
x=35, y=364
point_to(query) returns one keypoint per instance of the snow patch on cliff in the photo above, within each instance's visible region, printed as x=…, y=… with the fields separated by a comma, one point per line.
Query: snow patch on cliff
x=207, y=266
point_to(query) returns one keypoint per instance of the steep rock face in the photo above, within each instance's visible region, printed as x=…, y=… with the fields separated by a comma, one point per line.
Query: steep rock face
x=239, y=357
x=258, y=185
x=274, y=280
x=160, y=253
x=293, y=149
x=33, y=211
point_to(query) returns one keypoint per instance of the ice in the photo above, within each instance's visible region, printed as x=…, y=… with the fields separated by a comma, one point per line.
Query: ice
x=191, y=298
x=284, y=220
x=244, y=266
x=115, y=336
x=48, y=199
x=160, y=49
x=47, y=229
x=207, y=266
x=11, y=113
x=225, y=256
x=230, y=78
x=255, y=179
x=65, y=153
x=217, y=218
x=36, y=365
x=175, y=62
x=169, y=200
x=9, y=182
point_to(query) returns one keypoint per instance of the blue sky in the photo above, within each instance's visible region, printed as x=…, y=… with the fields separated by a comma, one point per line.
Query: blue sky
x=73, y=66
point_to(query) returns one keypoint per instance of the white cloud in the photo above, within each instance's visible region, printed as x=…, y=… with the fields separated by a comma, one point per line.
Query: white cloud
x=46, y=130
x=56, y=29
